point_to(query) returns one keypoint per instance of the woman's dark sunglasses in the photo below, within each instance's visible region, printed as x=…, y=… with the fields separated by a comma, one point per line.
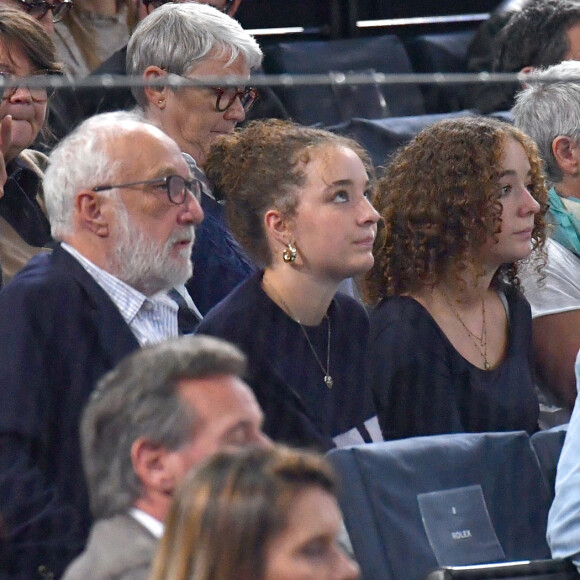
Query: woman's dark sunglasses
x=38, y=8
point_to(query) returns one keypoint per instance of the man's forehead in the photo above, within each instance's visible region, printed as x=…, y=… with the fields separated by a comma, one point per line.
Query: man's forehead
x=141, y=142
x=216, y=395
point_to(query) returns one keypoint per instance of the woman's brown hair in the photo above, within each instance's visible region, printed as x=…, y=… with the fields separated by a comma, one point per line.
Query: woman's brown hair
x=19, y=29
x=263, y=166
x=439, y=202
x=228, y=509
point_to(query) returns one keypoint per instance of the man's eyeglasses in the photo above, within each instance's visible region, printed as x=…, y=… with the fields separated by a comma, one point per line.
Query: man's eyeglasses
x=226, y=97
x=38, y=8
x=37, y=94
x=176, y=187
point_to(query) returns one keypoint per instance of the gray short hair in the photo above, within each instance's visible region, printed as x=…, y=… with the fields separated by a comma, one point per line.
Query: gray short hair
x=83, y=159
x=138, y=398
x=175, y=37
x=545, y=110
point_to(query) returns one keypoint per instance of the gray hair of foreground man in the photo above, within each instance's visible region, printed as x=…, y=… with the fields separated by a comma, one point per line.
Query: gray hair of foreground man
x=545, y=110
x=138, y=398
x=82, y=160
x=176, y=37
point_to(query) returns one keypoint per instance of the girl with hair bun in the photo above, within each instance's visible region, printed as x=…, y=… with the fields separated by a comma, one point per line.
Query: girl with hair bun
x=299, y=202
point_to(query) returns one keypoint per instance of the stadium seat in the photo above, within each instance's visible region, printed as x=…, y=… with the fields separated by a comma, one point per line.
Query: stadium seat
x=531, y=570
x=548, y=446
x=414, y=505
x=332, y=104
x=382, y=137
x=444, y=53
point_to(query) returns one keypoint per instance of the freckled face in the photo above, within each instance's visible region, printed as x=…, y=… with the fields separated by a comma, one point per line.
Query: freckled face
x=335, y=224
x=518, y=209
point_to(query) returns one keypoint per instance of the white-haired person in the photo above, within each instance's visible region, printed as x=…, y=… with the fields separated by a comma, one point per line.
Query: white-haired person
x=549, y=112
x=125, y=225
x=192, y=41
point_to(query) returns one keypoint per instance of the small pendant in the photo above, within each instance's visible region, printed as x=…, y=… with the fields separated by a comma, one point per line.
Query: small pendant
x=328, y=381
x=486, y=365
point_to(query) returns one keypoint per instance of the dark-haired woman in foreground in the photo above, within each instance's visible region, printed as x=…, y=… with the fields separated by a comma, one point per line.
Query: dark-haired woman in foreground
x=298, y=201
x=450, y=337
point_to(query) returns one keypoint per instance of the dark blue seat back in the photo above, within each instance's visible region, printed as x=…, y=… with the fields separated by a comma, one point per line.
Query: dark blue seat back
x=381, y=482
x=382, y=137
x=445, y=53
x=548, y=446
x=332, y=104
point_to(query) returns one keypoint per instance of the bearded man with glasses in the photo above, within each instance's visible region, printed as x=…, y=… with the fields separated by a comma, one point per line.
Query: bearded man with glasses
x=125, y=220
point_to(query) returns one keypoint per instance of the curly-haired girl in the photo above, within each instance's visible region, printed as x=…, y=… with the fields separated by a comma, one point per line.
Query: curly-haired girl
x=298, y=201
x=450, y=337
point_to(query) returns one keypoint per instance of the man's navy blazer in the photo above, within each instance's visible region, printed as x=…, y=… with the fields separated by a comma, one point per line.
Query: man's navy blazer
x=59, y=333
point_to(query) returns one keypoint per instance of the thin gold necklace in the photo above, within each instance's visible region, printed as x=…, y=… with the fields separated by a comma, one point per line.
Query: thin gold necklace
x=328, y=380
x=480, y=342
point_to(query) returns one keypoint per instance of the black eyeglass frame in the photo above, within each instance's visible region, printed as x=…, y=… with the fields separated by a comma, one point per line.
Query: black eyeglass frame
x=8, y=92
x=191, y=185
x=220, y=92
x=242, y=95
x=59, y=8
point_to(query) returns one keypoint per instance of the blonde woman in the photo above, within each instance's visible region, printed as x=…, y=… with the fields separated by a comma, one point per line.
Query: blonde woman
x=262, y=514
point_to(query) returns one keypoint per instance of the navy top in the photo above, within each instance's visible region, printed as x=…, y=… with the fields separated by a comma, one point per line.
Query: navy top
x=286, y=377
x=423, y=386
x=60, y=332
x=219, y=262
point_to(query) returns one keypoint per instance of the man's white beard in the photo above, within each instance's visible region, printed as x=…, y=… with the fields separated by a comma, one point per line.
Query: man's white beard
x=142, y=263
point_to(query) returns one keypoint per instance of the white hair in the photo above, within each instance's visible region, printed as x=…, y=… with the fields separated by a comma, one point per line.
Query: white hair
x=175, y=37
x=546, y=109
x=82, y=160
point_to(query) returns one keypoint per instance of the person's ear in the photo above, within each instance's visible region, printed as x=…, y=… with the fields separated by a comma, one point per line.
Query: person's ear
x=89, y=213
x=567, y=154
x=156, y=96
x=526, y=70
x=151, y=463
x=277, y=227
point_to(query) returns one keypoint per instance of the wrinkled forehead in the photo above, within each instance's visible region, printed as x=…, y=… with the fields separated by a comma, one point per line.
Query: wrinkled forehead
x=218, y=62
x=220, y=398
x=140, y=146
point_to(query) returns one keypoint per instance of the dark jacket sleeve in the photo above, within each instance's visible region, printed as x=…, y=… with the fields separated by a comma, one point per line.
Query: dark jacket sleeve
x=59, y=333
x=41, y=527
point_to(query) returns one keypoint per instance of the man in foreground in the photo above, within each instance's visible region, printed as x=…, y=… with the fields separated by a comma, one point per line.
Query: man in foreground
x=157, y=414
